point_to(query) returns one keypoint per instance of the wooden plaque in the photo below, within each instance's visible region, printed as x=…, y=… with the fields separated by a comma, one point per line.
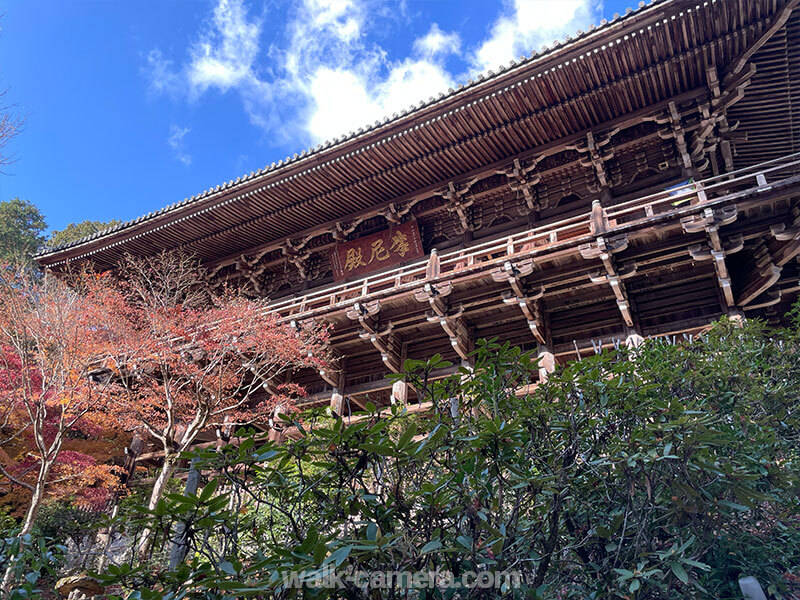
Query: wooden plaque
x=387, y=248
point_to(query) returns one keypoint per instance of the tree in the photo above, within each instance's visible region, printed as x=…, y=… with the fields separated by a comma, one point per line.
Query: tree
x=49, y=349
x=10, y=126
x=77, y=231
x=21, y=230
x=661, y=472
x=187, y=361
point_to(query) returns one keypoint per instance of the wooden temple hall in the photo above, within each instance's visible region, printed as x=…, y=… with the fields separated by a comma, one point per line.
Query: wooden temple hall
x=639, y=178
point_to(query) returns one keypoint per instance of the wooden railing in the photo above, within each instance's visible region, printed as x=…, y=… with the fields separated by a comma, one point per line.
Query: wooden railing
x=690, y=198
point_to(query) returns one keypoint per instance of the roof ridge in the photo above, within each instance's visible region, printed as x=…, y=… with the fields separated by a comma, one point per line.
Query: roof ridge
x=473, y=83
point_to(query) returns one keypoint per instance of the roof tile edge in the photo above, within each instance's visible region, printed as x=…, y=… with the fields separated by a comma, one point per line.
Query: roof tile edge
x=481, y=79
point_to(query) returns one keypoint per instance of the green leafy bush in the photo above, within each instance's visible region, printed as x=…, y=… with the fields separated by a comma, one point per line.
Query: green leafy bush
x=35, y=560
x=664, y=472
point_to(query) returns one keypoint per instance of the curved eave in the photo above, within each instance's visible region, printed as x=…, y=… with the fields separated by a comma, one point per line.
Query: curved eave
x=291, y=179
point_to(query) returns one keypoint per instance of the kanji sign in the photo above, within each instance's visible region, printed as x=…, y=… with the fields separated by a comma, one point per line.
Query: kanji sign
x=374, y=252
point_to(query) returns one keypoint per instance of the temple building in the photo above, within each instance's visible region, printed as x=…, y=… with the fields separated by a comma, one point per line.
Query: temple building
x=638, y=179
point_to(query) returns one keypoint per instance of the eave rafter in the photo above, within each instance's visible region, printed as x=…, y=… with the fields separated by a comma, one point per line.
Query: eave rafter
x=768, y=262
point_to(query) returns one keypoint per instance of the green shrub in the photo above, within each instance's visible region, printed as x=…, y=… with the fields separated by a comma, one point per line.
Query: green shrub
x=667, y=472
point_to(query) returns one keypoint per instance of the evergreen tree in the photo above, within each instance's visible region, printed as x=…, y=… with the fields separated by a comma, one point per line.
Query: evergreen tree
x=21, y=229
x=77, y=231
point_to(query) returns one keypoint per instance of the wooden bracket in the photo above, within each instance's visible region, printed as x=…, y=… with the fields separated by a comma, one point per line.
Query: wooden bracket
x=768, y=261
x=379, y=334
x=522, y=179
x=457, y=203
x=450, y=319
x=764, y=272
x=604, y=248
x=330, y=373
x=596, y=155
x=340, y=231
x=709, y=222
x=299, y=259
x=674, y=129
x=529, y=301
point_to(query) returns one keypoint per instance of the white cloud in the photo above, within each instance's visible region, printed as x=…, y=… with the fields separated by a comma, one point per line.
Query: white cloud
x=341, y=17
x=437, y=42
x=348, y=83
x=530, y=24
x=327, y=78
x=224, y=55
x=175, y=141
x=163, y=78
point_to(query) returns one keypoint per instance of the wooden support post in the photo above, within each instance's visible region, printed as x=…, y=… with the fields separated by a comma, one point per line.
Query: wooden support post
x=400, y=393
x=337, y=403
x=633, y=340
x=547, y=363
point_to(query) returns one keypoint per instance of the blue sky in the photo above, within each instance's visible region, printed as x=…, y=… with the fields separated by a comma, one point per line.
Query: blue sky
x=131, y=106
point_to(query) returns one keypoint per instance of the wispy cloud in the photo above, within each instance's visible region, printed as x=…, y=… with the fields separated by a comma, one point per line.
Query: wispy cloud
x=437, y=42
x=161, y=72
x=224, y=54
x=528, y=24
x=175, y=141
x=326, y=77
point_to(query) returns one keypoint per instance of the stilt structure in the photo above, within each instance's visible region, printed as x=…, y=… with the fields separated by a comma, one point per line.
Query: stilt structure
x=637, y=179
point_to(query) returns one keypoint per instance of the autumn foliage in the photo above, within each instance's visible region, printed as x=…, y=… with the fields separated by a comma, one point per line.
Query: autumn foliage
x=185, y=361
x=52, y=403
x=145, y=349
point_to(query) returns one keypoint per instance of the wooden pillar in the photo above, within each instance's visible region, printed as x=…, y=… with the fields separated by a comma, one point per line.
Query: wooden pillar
x=337, y=403
x=547, y=363
x=400, y=393
x=633, y=340
x=737, y=317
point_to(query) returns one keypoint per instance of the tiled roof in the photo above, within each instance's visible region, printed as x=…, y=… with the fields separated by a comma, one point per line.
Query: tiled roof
x=224, y=190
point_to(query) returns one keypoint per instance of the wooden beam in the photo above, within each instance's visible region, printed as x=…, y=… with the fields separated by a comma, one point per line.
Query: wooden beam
x=778, y=22
x=769, y=260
